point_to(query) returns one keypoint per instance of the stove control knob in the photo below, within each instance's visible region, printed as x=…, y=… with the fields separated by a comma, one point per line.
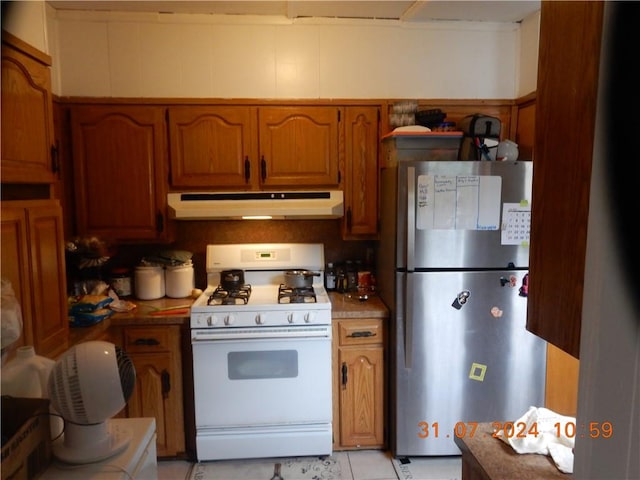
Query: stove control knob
x=211, y=320
x=290, y=318
x=229, y=319
x=309, y=317
x=260, y=319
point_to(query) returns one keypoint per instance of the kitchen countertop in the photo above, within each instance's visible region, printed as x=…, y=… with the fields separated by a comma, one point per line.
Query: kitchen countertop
x=141, y=315
x=488, y=458
x=342, y=307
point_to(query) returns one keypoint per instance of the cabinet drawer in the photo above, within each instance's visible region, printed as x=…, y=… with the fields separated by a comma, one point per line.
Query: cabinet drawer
x=146, y=339
x=360, y=332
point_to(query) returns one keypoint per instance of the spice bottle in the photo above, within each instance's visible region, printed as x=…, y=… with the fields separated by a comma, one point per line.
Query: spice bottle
x=330, y=277
x=121, y=281
x=341, y=279
x=352, y=277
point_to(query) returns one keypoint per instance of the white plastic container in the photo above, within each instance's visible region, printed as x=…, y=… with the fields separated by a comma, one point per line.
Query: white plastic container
x=179, y=280
x=27, y=374
x=149, y=282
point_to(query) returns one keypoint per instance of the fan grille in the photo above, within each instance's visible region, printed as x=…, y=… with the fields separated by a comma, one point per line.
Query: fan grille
x=127, y=373
x=67, y=390
x=75, y=388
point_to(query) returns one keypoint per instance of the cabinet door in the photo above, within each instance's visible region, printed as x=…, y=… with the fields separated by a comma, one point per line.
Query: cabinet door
x=50, y=321
x=565, y=128
x=15, y=264
x=299, y=146
x=361, y=396
x=525, y=129
x=361, y=172
x=214, y=147
x=27, y=114
x=33, y=260
x=120, y=163
x=156, y=355
x=151, y=394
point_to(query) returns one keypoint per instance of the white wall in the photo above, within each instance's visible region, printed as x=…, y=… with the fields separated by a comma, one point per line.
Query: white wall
x=26, y=20
x=142, y=55
x=527, y=69
x=166, y=55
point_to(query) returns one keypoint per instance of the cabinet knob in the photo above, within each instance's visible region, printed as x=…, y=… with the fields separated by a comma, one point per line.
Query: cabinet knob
x=165, y=378
x=159, y=222
x=263, y=168
x=55, y=160
x=247, y=169
x=344, y=374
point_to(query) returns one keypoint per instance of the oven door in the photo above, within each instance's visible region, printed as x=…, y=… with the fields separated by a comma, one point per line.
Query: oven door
x=262, y=377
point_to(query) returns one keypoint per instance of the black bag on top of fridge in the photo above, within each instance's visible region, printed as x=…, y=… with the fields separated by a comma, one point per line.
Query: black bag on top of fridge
x=481, y=137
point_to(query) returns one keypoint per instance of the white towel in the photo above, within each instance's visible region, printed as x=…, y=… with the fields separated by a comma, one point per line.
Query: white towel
x=550, y=440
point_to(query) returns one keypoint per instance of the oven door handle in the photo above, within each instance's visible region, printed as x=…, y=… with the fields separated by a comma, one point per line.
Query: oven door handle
x=259, y=334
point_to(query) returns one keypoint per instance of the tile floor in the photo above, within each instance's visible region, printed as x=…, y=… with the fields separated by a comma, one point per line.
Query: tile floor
x=357, y=465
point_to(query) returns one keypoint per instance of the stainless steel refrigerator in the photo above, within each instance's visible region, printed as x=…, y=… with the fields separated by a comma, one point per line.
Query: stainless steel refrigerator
x=452, y=268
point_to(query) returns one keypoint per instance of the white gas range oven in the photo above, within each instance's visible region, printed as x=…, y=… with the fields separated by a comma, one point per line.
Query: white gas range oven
x=262, y=353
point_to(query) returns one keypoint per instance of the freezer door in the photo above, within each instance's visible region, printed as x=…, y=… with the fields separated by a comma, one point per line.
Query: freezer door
x=462, y=355
x=462, y=215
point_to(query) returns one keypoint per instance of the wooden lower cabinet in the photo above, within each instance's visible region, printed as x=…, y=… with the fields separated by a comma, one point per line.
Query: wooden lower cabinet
x=33, y=261
x=561, y=392
x=359, y=377
x=156, y=355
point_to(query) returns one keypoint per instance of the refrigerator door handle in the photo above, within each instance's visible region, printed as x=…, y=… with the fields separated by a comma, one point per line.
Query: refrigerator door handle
x=411, y=217
x=408, y=320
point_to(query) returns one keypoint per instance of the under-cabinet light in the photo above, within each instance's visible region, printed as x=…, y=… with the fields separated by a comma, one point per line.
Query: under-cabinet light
x=257, y=217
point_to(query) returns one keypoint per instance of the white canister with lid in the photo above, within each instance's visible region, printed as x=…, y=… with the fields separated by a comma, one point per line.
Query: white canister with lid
x=149, y=282
x=179, y=280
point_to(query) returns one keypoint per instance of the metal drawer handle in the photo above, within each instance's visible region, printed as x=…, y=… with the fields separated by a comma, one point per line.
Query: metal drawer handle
x=146, y=341
x=362, y=334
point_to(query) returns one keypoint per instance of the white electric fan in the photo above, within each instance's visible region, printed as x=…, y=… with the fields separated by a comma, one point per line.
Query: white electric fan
x=90, y=383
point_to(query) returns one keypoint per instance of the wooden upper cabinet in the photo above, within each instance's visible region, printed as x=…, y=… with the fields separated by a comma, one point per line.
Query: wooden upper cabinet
x=120, y=166
x=361, y=172
x=564, y=132
x=525, y=129
x=299, y=146
x=28, y=153
x=213, y=147
x=238, y=148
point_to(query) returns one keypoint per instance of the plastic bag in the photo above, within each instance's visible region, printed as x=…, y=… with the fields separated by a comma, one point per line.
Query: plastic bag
x=11, y=315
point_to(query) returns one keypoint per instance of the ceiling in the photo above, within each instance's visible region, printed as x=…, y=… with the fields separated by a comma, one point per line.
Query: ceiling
x=408, y=11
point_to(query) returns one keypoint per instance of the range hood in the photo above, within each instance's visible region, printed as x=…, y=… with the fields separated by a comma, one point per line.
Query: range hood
x=256, y=205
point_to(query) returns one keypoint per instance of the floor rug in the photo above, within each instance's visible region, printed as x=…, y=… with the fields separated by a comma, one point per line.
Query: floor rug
x=294, y=468
x=428, y=468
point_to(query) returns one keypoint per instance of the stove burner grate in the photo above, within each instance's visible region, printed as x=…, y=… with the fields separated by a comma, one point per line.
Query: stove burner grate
x=296, y=295
x=236, y=296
